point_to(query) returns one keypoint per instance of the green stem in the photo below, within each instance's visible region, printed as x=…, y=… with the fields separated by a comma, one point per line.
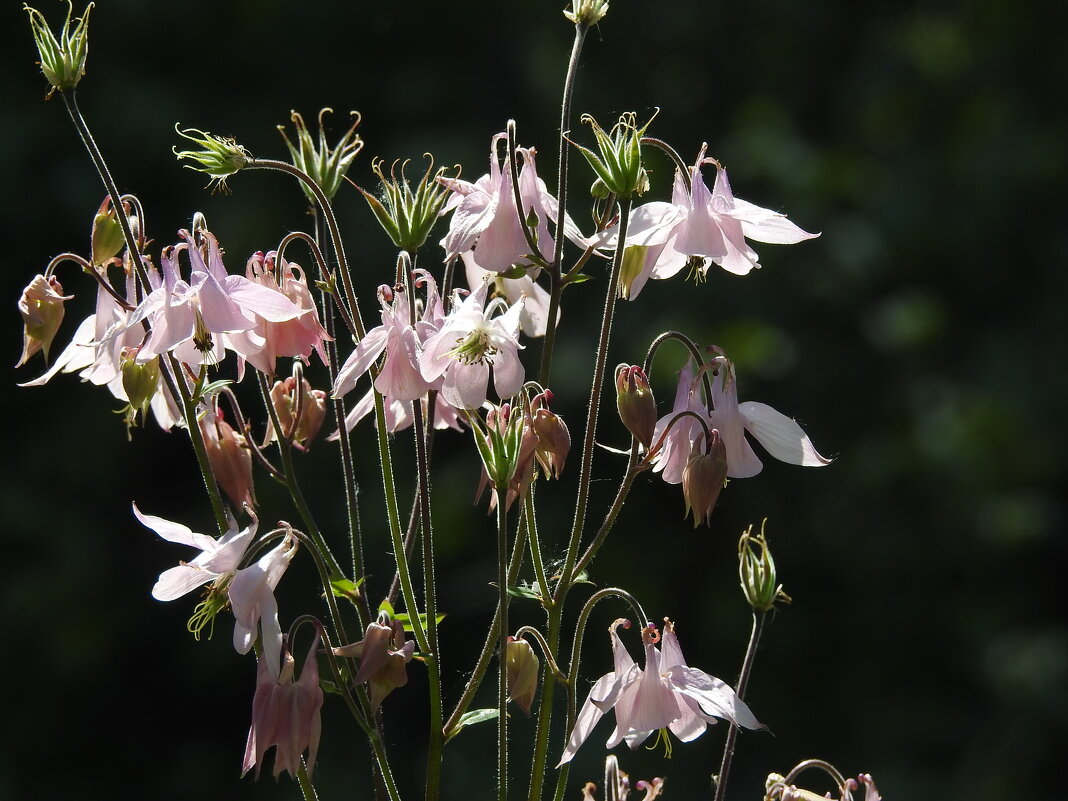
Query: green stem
x=306, y=786
x=172, y=378
x=555, y=270
x=530, y=523
x=743, y=681
x=502, y=687
x=586, y=468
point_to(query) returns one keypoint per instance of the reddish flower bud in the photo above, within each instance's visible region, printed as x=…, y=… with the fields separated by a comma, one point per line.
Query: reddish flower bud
x=704, y=476
x=554, y=440
x=635, y=402
x=312, y=411
x=230, y=459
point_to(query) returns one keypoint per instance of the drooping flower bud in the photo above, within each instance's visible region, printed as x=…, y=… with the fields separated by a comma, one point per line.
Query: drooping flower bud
x=62, y=58
x=522, y=672
x=407, y=215
x=139, y=380
x=325, y=166
x=619, y=164
x=230, y=459
x=107, y=238
x=41, y=307
x=756, y=571
x=554, y=440
x=312, y=408
x=635, y=402
x=704, y=476
x=218, y=156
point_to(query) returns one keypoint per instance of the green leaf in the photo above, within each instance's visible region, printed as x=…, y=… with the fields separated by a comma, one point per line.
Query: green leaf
x=472, y=717
x=407, y=621
x=525, y=592
x=344, y=588
x=386, y=607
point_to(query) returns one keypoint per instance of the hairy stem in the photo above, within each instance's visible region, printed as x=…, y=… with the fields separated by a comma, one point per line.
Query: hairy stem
x=743, y=681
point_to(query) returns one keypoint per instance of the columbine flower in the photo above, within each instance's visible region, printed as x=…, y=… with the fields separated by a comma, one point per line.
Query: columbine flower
x=229, y=457
x=696, y=225
x=217, y=561
x=468, y=344
x=383, y=653
x=400, y=376
x=675, y=444
x=535, y=316
x=781, y=437
x=252, y=598
x=485, y=217
x=285, y=714
x=666, y=694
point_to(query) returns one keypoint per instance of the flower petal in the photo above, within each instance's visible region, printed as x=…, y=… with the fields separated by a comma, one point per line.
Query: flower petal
x=714, y=696
x=782, y=437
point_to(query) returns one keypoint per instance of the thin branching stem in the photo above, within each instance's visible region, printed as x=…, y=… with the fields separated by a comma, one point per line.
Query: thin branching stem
x=743, y=682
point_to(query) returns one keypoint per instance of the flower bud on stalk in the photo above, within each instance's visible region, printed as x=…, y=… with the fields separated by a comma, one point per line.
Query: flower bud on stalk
x=230, y=459
x=107, y=238
x=635, y=402
x=62, y=59
x=139, y=380
x=312, y=411
x=41, y=307
x=522, y=673
x=756, y=570
x=587, y=12
x=703, y=477
x=554, y=440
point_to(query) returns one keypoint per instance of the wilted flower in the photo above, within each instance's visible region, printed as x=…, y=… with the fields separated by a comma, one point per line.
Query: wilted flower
x=218, y=156
x=383, y=653
x=312, y=406
x=666, y=694
x=285, y=714
x=41, y=307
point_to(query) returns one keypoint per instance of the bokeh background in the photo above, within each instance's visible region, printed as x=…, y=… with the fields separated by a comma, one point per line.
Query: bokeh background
x=920, y=340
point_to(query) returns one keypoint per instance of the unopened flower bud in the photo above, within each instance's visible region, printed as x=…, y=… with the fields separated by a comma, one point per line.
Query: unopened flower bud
x=62, y=58
x=522, y=673
x=139, y=380
x=703, y=477
x=41, y=307
x=230, y=459
x=554, y=440
x=107, y=239
x=312, y=410
x=756, y=571
x=635, y=402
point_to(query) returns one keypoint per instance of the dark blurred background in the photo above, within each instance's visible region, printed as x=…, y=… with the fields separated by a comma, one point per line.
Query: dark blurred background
x=920, y=341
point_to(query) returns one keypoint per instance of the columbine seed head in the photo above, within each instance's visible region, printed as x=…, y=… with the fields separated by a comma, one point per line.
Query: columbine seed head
x=619, y=165
x=325, y=166
x=587, y=12
x=218, y=156
x=62, y=58
x=408, y=214
x=756, y=570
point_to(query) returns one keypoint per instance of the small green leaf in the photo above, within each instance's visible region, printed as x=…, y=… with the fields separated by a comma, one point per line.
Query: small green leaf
x=345, y=588
x=472, y=717
x=329, y=687
x=525, y=592
x=407, y=621
x=386, y=607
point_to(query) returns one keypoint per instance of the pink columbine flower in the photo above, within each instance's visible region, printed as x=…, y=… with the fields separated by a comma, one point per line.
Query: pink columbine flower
x=285, y=714
x=666, y=694
x=400, y=414
x=217, y=561
x=191, y=318
x=469, y=343
x=782, y=437
x=485, y=218
x=702, y=225
x=397, y=338
x=252, y=599
x=535, y=316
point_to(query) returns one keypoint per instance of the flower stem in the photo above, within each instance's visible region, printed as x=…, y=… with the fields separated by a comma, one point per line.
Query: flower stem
x=743, y=680
x=561, y=198
x=173, y=377
x=502, y=689
x=586, y=468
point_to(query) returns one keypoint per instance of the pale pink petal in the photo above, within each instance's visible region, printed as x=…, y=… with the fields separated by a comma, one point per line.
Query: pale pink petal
x=782, y=437
x=715, y=697
x=360, y=360
x=587, y=718
x=180, y=580
x=765, y=225
x=175, y=532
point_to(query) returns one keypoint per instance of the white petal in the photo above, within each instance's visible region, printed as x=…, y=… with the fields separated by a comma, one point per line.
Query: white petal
x=175, y=532
x=179, y=581
x=782, y=437
x=713, y=695
x=765, y=225
x=584, y=723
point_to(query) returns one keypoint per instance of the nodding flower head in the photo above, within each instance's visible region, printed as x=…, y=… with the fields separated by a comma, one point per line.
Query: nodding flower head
x=217, y=156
